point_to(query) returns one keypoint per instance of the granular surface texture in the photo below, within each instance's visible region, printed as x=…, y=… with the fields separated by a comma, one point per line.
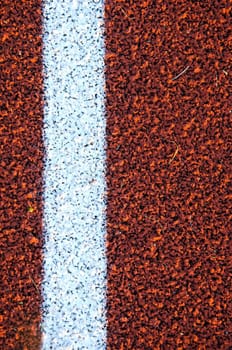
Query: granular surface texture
x=21, y=160
x=168, y=83
x=74, y=280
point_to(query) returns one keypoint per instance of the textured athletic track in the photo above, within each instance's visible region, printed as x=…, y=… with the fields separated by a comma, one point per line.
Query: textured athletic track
x=168, y=108
x=21, y=174
x=168, y=84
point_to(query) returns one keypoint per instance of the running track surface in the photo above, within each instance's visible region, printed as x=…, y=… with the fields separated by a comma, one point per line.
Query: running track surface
x=21, y=174
x=168, y=82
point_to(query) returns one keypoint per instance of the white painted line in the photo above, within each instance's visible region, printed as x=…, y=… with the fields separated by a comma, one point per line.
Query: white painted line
x=74, y=284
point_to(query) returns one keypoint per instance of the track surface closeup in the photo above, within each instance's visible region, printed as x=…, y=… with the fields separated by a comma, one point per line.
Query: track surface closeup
x=168, y=112
x=21, y=165
x=168, y=82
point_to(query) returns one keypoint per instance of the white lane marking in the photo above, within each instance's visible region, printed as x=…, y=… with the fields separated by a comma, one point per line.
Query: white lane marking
x=74, y=283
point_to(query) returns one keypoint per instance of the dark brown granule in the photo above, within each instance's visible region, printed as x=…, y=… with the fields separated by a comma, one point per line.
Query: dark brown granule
x=21, y=163
x=168, y=104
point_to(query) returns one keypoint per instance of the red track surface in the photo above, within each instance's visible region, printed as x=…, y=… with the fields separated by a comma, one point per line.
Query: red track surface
x=168, y=113
x=21, y=155
x=168, y=81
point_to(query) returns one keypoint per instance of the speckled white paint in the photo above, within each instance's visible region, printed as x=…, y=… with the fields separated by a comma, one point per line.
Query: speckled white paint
x=74, y=213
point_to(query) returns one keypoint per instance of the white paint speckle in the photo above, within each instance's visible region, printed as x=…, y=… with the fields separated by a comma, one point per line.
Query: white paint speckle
x=74, y=212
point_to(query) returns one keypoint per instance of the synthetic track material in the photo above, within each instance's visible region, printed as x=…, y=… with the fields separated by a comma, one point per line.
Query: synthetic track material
x=74, y=280
x=168, y=83
x=21, y=164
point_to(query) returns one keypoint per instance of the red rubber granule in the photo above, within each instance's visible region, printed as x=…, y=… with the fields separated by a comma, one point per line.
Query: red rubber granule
x=21, y=163
x=168, y=106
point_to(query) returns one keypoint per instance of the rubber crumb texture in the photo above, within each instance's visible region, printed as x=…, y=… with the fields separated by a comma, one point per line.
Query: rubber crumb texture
x=168, y=86
x=74, y=198
x=21, y=151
